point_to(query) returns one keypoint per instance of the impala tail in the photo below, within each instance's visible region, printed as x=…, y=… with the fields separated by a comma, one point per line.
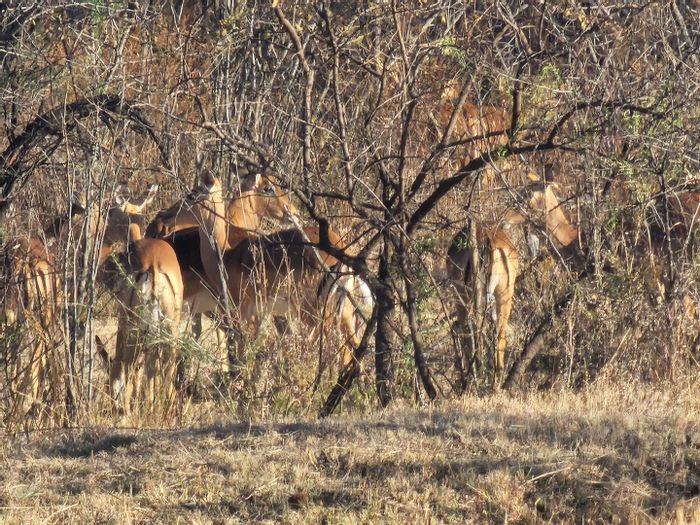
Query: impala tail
x=345, y=285
x=362, y=292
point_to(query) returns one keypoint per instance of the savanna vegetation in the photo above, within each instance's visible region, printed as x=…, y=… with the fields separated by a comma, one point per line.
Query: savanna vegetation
x=496, y=201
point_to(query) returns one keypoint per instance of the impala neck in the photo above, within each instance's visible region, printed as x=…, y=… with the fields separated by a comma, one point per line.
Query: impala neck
x=557, y=224
x=134, y=232
x=105, y=251
x=120, y=228
x=213, y=235
x=245, y=218
x=215, y=228
x=244, y=213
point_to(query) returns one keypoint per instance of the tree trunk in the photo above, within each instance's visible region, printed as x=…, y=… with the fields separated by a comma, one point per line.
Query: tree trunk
x=350, y=373
x=384, y=358
x=418, y=351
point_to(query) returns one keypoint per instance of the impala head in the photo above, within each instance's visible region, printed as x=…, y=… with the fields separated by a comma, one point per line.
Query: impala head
x=125, y=217
x=131, y=205
x=208, y=190
x=203, y=203
x=179, y=216
x=57, y=228
x=543, y=201
x=260, y=198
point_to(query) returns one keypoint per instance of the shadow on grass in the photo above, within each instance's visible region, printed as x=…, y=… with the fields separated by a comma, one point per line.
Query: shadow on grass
x=465, y=426
x=85, y=446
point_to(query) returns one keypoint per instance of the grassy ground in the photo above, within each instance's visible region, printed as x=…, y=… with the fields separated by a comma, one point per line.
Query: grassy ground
x=625, y=455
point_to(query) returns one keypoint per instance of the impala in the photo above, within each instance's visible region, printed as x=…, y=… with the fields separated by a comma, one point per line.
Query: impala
x=178, y=225
x=502, y=243
x=275, y=274
x=676, y=237
x=146, y=279
x=29, y=295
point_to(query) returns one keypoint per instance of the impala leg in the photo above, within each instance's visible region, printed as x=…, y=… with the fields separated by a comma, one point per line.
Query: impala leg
x=247, y=325
x=197, y=325
x=314, y=320
x=494, y=296
x=463, y=333
x=160, y=377
x=228, y=345
x=47, y=375
x=315, y=330
x=35, y=370
x=26, y=388
x=504, y=304
x=350, y=339
x=221, y=348
x=152, y=357
x=120, y=374
x=133, y=374
x=465, y=337
x=183, y=360
x=337, y=313
x=116, y=371
x=169, y=363
x=500, y=291
x=52, y=363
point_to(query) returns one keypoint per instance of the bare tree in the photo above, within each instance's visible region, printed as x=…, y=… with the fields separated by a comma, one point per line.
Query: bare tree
x=393, y=123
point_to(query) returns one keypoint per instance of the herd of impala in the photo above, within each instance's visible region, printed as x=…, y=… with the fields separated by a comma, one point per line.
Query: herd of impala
x=196, y=252
x=208, y=253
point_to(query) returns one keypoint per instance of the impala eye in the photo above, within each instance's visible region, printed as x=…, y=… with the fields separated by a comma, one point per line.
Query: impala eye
x=267, y=190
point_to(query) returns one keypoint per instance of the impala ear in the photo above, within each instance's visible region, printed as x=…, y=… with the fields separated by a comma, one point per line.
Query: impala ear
x=150, y=194
x=207, y=180
x=549, y=173
x=76, y=208
x=258, y=180
x=246, y=180
x=122, y=194
x=268, y=189
x=81, y=201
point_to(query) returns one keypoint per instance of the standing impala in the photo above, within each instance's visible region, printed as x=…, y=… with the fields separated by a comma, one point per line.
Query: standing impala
x=503, y=244
x=29, y=291
x=276, y=274
x=146, y=279
x=178, y=225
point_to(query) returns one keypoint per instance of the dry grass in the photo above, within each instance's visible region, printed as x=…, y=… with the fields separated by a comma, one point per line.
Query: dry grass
x=623, y=455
